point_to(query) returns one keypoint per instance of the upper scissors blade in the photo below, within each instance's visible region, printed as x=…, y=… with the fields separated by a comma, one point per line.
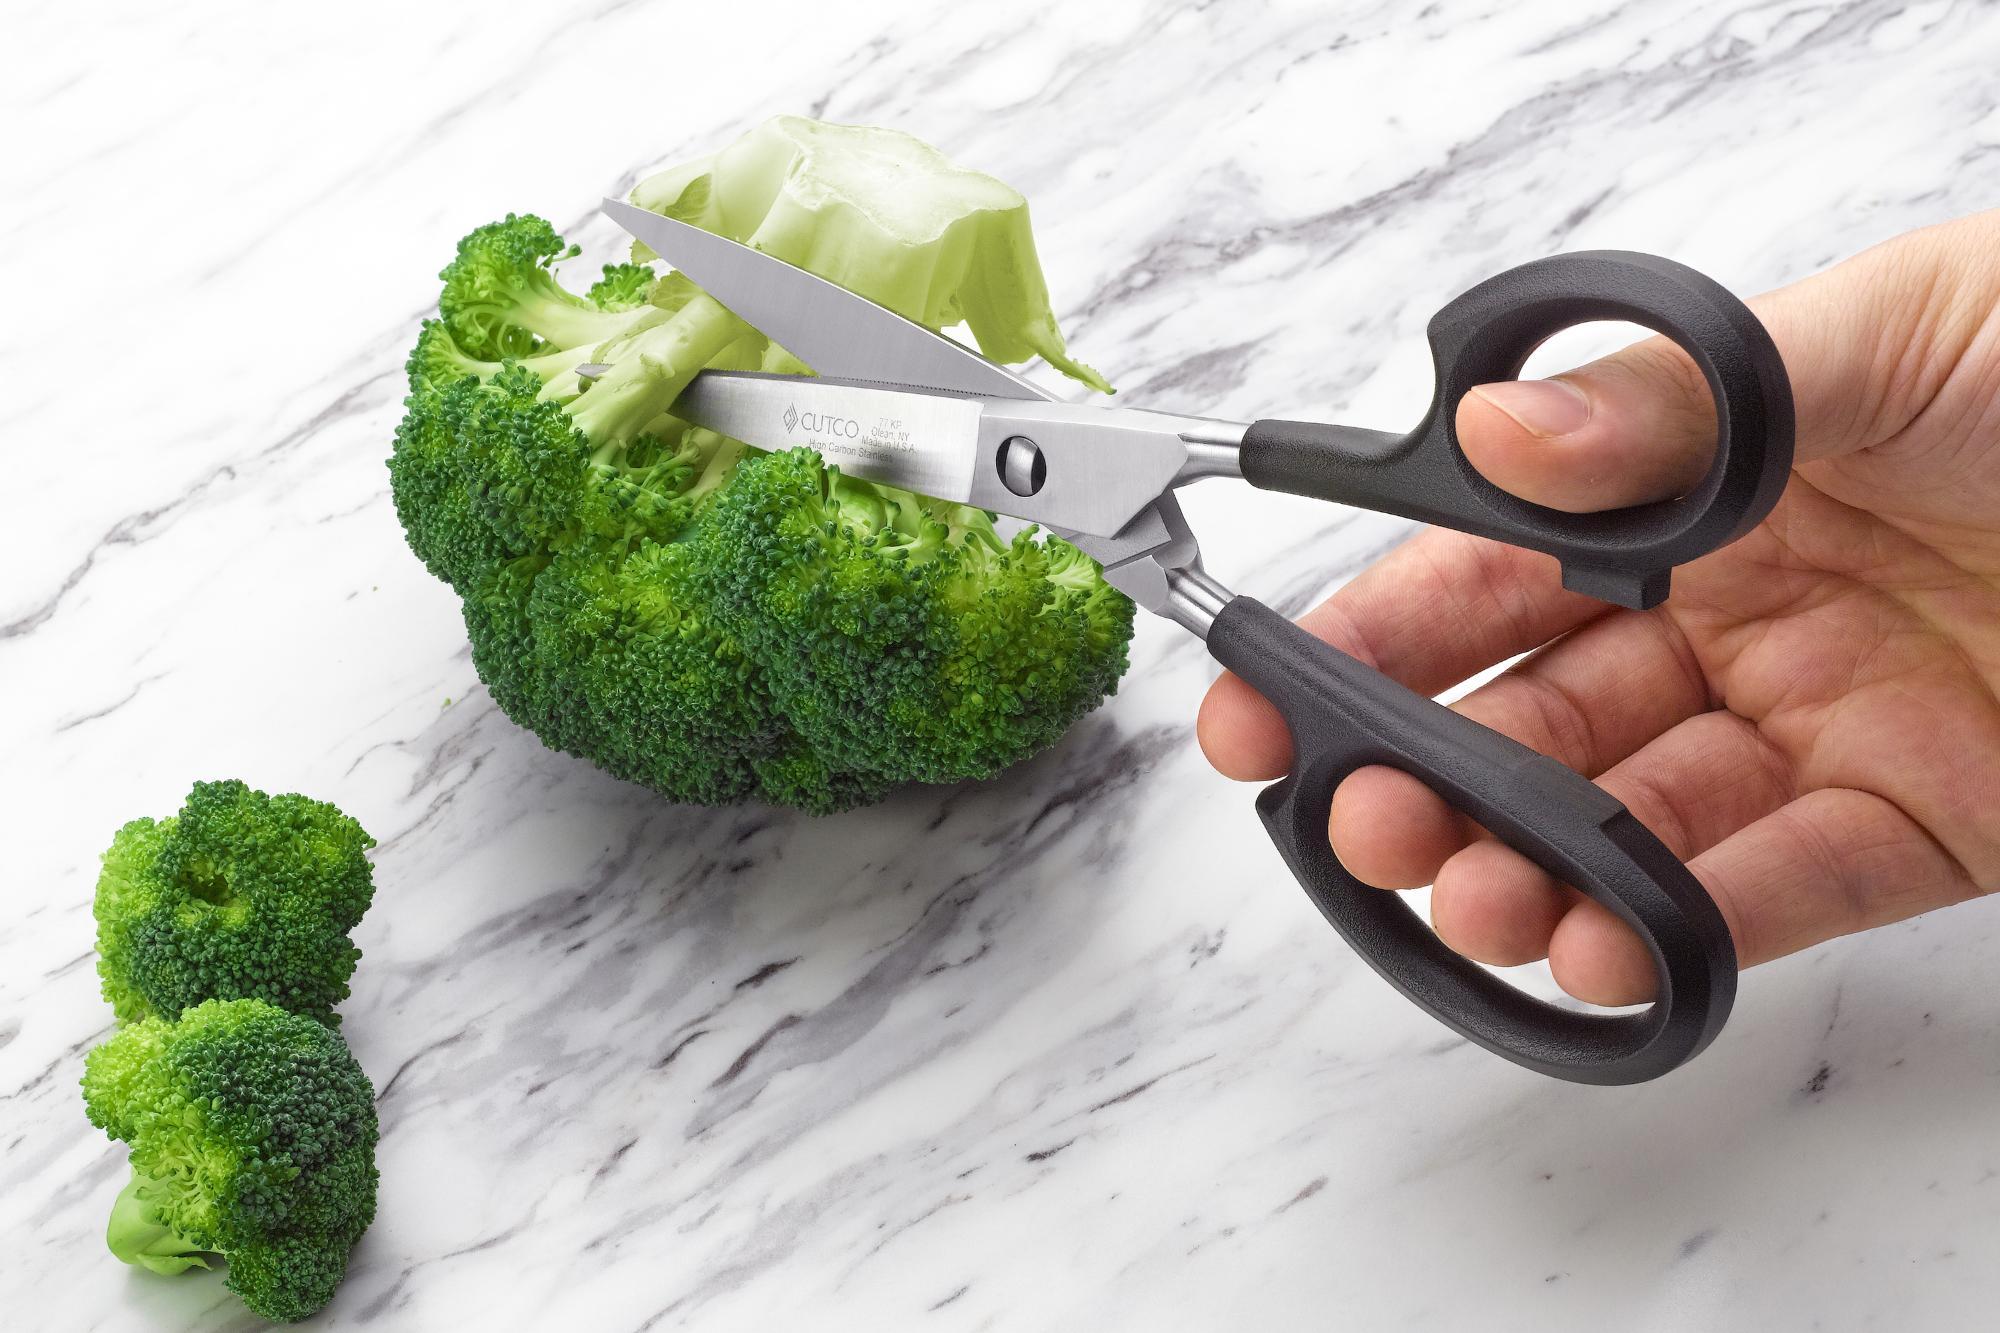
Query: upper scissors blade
x=821, y=323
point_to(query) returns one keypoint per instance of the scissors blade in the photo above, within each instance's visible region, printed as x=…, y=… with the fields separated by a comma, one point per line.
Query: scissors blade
x=923, y=442
x=821, y=323
x=1102, y=467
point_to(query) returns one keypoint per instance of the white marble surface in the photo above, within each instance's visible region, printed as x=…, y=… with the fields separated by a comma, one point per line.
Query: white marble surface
x=1064, y=1051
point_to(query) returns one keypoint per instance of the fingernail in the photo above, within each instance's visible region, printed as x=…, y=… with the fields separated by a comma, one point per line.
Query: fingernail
x=1541, y=407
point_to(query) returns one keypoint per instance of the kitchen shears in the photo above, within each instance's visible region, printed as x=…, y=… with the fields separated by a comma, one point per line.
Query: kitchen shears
x=895, y=402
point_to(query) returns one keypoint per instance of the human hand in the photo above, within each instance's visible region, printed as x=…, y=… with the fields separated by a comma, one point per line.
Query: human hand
x=1811, y=721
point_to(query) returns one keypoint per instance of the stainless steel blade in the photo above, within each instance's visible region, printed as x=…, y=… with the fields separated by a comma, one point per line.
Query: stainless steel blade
x=1099, y=468
x=821, y=323
x=928, y=443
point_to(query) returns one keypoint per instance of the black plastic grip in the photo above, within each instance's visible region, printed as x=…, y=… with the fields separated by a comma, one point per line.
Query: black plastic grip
x=1343, y=716
x=1622, y=555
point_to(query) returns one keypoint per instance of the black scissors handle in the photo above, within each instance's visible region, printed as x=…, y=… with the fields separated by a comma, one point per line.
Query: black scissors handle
x=1624, y=555
x=1342, y=716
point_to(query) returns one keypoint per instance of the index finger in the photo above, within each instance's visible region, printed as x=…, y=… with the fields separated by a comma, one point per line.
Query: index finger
x=1435, y=611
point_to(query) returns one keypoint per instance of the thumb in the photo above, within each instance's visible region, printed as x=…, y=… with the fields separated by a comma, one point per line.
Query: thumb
x=1867, y=344
x=1636, y=426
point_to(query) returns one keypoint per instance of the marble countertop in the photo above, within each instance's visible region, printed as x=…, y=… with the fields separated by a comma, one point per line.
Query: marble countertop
x=1065, y=1050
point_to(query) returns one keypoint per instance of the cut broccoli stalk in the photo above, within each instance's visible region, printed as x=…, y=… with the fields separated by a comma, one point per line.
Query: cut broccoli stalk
x=140, y=1235
x=883, y=214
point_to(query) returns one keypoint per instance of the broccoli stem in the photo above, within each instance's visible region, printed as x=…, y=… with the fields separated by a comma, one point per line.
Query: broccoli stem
x=723, y=455
x=561, y=319
x=137, y=1236
x=649, y=371
x=557, y=371
x=555, y=368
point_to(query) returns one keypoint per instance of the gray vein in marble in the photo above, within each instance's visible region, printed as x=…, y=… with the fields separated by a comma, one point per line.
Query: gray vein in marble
x=137, y=529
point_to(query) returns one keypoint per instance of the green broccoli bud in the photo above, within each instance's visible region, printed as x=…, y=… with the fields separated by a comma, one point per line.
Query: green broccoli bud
x=239, y=895
x=623, y=287
x=252, y=1136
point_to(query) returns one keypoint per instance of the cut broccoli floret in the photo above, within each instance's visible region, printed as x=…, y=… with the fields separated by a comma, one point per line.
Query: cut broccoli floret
x=239, y=895
x=252, y=1136
x=699, y=616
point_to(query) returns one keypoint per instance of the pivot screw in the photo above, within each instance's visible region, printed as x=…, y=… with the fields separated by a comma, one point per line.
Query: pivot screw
x=1022, y=470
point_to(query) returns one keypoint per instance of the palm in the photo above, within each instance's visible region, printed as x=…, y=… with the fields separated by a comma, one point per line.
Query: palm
x=1813, y=720
x=1855, y=636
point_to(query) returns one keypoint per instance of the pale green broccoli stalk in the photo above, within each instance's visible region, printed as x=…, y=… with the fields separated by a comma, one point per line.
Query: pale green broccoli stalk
x=713, y=621
x=239, y=895
x=252, y=1135
x=883, y=214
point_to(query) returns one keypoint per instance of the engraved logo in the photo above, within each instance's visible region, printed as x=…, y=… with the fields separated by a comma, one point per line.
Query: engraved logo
x=820, y=423
x=791, y=417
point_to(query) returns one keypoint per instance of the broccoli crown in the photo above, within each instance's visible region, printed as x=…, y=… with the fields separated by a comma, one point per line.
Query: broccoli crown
x=713, y=621
x=895, y=637
x=239, y=895
x=252, y=1135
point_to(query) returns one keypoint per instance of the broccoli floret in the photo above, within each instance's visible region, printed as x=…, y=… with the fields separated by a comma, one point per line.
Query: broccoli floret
x=900, y=639
x=623, y=287
x=502, y=301
x=713, y=621
x=252, y=1135
x=239, y=895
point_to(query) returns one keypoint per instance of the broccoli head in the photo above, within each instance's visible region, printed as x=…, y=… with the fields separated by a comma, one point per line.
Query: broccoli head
x=239, y=895
x=252, y=1135
x=710, y=620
